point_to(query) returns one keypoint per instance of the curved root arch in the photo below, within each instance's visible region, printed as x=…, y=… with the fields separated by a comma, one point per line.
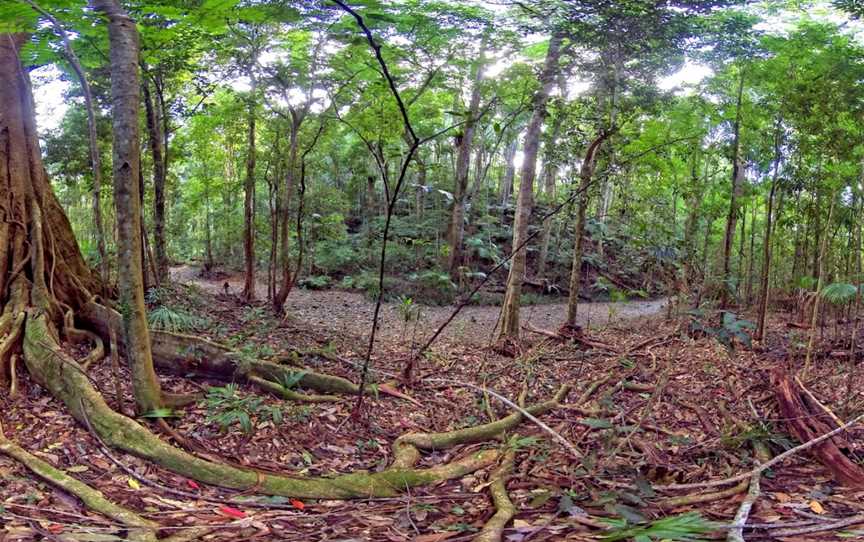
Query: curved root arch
x=52, y=368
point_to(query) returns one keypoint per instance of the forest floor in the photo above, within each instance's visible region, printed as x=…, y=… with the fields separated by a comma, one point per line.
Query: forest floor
x=341, y=311
x=664, y=408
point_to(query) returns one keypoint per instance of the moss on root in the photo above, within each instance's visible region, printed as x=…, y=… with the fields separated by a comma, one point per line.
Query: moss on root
x=63, y=377
x=504, y=509
x=141, y=530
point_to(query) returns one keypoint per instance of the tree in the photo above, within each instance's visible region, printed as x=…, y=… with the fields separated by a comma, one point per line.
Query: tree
x=92, y=138
x=456, y=229
x=512, y=298
x=123, y=36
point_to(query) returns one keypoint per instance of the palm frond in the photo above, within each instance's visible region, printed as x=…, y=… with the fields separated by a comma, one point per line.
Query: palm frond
x=839, y=293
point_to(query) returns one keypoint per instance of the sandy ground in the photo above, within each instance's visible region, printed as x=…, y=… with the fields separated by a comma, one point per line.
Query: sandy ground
x=342, y=311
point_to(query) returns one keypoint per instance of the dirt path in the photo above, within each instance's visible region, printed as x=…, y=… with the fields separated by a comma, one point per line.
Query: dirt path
x=343, y=312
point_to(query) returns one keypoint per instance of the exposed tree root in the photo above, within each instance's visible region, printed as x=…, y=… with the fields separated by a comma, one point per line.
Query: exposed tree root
x=79, y=336
x=288, y=394
x=805, y=425
x=188, y=354
x=141, y=530
x=820, y=527
x=504, y=508
x=11, y=329
x=698, y=498
x=406, y=449
x=53, y=369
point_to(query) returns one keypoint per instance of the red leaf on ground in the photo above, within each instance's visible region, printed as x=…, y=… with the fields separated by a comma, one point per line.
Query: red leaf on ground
x=233, y=512
x=297, y=504
x=193, y=484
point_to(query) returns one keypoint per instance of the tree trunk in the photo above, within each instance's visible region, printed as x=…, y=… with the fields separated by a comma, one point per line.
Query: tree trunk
x=285, y=219
x=273, y=202
x=586, y=173
x=742, y=238
x=738, y=172
x=420, y=194
x=249, y=205
x=691, y=225
x=208, y=249
x=154, y=132
x=92, y=139
x=820, y=258
x=506, y=188
x=550, y=175
x=748, y=296
x=125, y=94
x=460, y=193
x=766, y=241
x=512, y=298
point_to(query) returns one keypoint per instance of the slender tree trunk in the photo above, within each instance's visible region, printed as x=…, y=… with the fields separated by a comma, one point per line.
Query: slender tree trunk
x=691, y=224
x=208, y=248
x=766, y=241
x=154, y=132
x=249, y=205
x=456, y=230
x=285, y=211
x=273, y=203
x=506, y=188
x=742, y=238
x=125, y=88
x=586, y=174
x=814, y=320
x=92, y=139
x=738, y=172
x=550, y=175
x=420, y=193
x=748, y=296
x=512, y=298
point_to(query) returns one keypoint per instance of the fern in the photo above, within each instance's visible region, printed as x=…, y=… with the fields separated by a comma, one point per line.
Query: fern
x=166, y=319
x=681, y=528
x=839, y=293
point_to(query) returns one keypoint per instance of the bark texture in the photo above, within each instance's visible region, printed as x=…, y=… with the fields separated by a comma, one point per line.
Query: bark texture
x=512, y=298
x=456, y=230
x=125, y=100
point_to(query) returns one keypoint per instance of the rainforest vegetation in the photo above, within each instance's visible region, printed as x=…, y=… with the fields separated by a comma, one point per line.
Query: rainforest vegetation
x=431, y=270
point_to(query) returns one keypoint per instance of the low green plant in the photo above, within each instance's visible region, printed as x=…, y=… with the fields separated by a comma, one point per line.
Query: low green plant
x=760, y=433
x=315, y=282
x=839, y=293
x=167, y=319
x=408, y=310
x=227, y=407
x=681, y=528
x=731, y=328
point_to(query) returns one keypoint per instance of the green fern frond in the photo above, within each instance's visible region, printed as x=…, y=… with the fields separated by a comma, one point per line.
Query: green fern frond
x=681, y=528
x=839, y=293
x=166, y=319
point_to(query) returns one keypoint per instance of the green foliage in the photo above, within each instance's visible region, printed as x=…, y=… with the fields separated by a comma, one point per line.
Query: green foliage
x=315, y=282
x=760, y=433
x=336, y=257
x=681, y=528
x=839, y=293
x=167, y=319
x=408, y=310
x=291, y=379
x=730, y=329
x=227, y=407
